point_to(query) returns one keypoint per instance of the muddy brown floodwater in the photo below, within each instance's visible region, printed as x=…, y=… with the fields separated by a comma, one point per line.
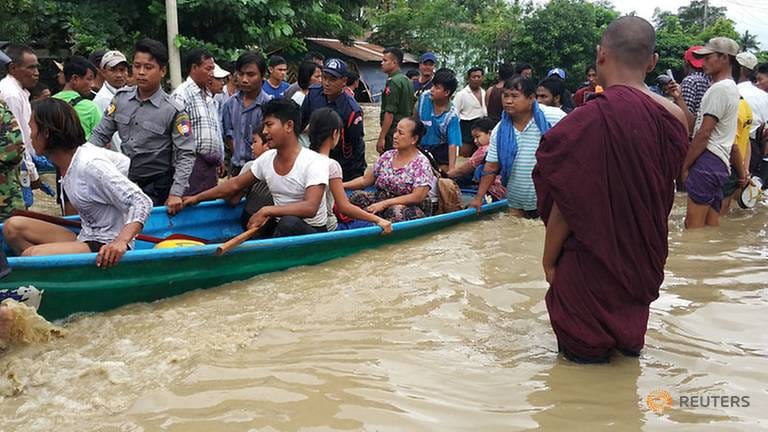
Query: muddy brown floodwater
x=447, y=332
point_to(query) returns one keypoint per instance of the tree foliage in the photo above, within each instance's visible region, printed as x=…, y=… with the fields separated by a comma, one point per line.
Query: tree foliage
x=223, y=26
x=675, y=33
x=561, y=33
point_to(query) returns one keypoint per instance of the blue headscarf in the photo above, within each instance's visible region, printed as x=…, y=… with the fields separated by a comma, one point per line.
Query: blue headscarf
x=506, y=142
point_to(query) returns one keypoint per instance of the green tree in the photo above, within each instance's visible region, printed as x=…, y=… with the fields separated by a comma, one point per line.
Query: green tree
x=723, y=27
x=692, y=16
x=563, y=33
x=223, y=26
x=748, y=42
x=672, y=40
x=462, y=33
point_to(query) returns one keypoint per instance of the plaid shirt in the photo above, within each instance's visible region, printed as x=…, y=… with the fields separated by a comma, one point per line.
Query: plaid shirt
x=204, y=116
x=694, y=86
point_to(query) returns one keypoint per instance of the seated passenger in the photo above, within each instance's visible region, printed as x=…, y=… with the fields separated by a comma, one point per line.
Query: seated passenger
x=324, y=131
x=256, y=195
x=296, y=178
x=112, y=209
x=403, y=178
x=467, y=175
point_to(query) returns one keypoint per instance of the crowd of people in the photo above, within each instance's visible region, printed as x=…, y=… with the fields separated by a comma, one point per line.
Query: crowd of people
x=599, y=166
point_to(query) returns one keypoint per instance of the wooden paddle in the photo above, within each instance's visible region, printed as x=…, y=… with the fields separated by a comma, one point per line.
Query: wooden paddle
x=236, y=241
x=76, y=224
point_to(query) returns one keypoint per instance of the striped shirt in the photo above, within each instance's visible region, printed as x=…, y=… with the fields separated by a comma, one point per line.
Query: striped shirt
x=204, y=116
x=693, y=87
x=520, y=191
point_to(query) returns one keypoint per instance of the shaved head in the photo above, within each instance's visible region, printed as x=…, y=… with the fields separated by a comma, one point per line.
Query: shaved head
x=631, y=41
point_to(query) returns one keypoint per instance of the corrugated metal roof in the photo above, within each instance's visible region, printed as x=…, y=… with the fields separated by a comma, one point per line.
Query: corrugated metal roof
x=359, y=50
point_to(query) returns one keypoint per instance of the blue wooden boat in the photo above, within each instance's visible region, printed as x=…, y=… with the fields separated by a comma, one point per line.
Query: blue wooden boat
x=73, y=283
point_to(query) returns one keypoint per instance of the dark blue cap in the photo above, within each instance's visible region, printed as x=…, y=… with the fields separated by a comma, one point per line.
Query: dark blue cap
x=335, y=67
x=428, y=56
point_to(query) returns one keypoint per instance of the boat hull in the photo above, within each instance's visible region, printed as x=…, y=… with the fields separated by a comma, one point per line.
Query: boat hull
x=72, y=283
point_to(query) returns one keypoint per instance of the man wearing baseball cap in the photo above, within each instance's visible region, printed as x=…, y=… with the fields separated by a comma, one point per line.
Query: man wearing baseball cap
x=695, y=83
x=350, y=153
x=758, y=102
x=216, y=86
x=427, y=64
x=707, y=165
x=114, y=69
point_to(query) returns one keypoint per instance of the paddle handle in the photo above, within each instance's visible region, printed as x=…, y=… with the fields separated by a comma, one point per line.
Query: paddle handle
x=236, y=241
x=47, y=218
x=72, y=223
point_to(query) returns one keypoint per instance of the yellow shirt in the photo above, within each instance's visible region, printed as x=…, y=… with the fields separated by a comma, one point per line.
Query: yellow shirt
x=744, y=124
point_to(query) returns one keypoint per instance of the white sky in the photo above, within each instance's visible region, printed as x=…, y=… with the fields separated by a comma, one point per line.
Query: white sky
x=749, y=15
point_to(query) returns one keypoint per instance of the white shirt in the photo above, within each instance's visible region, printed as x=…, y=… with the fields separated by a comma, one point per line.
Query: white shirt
x=334, y=172
x=758, y=102
x=104, y=97
x=553, y=114
x=721, y=101
x=17, y=99
x=309, y=169
x=104, y=198
x=467, y=105
x=102, y=100
x=119, y=160
x=298, y=97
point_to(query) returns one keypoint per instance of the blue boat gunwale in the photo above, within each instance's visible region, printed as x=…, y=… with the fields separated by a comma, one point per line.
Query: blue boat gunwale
x=143, y=255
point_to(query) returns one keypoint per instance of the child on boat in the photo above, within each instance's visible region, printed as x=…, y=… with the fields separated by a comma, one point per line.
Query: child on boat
x=325, y=127
x=112, y=209
x=465, y=174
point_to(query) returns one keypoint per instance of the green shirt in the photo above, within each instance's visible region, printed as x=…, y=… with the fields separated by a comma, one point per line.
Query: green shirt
x=397, y=98
x=11, y=153
x=87, y=111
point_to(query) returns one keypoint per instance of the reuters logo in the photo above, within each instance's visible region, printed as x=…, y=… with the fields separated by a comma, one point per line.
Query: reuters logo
x=658, y=400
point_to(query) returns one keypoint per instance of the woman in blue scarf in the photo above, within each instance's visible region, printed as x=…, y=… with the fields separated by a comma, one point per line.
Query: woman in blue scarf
x=514, y=141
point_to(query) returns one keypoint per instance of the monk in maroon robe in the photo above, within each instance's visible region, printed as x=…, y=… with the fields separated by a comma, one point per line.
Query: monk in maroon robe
x=605, y=184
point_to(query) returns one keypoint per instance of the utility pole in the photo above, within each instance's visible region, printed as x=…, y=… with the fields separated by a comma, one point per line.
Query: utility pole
x=706, y=13
x=172, y=28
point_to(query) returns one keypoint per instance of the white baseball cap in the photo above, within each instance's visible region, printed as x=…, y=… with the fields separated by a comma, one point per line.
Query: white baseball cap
x=218, y=72
x=112, y=59
x=746, y=59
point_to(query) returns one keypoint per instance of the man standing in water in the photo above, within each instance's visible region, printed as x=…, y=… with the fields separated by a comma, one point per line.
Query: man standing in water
x=707, y=164
x=625, y=148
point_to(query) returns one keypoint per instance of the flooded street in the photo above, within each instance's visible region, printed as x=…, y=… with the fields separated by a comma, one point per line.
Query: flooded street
x=447, y=332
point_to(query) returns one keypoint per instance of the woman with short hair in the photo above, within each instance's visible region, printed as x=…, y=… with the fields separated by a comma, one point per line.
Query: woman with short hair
x=112, y=209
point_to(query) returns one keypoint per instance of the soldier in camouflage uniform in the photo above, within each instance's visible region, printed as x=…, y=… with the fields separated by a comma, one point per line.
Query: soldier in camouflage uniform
x=11, y=153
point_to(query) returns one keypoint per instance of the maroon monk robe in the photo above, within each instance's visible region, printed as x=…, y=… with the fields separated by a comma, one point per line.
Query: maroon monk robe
x=610, y=166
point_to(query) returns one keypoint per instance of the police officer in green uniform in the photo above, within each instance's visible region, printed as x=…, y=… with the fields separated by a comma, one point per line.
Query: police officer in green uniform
x=155, y=129
x=397, y=99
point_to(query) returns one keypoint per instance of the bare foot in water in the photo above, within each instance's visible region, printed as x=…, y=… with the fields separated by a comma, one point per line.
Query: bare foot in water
x=6, y=319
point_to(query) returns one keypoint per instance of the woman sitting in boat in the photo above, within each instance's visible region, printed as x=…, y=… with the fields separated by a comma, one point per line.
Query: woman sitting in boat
x=112, y=209
x=403, y=178
x=324, y=131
